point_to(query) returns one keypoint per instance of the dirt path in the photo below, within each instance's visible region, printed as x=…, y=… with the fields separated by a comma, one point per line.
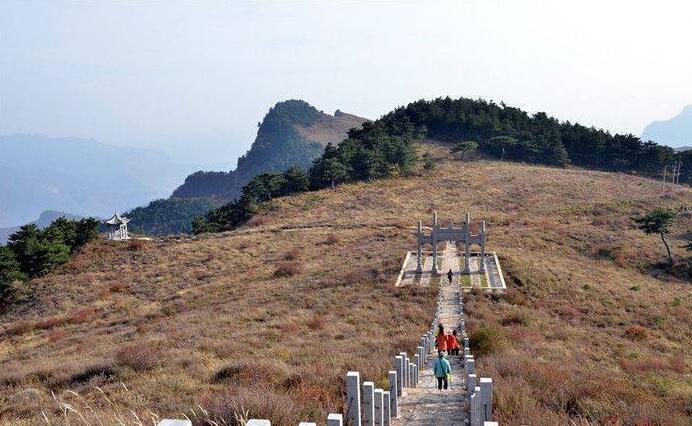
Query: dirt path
x=426, y=405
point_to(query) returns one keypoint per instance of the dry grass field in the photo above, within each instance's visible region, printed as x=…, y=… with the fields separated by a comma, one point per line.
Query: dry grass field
x=266, y=320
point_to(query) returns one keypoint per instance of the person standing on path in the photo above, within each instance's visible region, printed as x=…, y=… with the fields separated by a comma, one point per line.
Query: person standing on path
x=441, y=339
x=450, y=275
x=442, y=371
x=453, y=343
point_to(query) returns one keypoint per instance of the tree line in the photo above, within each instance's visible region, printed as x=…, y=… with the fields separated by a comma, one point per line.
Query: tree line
x=32, y=252
x=512, y=134
x=384, y=147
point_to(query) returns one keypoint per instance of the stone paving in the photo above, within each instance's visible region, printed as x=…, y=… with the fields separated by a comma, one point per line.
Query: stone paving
x=425, y=404
x=452, y=258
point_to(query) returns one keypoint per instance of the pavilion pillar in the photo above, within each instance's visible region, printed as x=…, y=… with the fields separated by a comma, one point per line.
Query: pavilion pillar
x=467, y=245
x=482, y=246
x=434, y=243
x=419, y=258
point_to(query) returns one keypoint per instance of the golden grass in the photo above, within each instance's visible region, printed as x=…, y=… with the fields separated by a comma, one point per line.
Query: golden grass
x=210, y=322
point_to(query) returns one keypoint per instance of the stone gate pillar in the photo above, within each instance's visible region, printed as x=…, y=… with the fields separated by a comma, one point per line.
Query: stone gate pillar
x=419, y=267
x=467, y=246
x=482, y=261
x=434, y=243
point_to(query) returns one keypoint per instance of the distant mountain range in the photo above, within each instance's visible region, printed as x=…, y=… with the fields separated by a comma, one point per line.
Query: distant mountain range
x=80, y=176
x=43, y=221
x=292, y=133
x=676, y=132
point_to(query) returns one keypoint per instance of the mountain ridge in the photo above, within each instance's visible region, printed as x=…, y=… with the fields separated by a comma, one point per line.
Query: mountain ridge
x=293, y=132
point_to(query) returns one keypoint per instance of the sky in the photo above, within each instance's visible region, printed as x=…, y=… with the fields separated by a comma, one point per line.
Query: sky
x=193, y=78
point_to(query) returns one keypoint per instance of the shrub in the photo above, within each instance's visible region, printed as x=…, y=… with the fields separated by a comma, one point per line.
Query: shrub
x=139, y=357
x=56, y=335
x=636, y=332
x=229, y=372
x=136, y=245
x=288, y=269
x=515, y=318
x=486, y=339
x=332, y=239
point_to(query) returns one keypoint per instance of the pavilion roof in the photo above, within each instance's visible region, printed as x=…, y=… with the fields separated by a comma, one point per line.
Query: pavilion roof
x=116, y=220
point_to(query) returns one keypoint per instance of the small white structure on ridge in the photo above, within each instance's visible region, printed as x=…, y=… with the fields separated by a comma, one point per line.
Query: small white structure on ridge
x=117, y=227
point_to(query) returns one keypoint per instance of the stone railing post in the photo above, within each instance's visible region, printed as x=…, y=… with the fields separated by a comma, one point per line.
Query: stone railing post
x=386, y=409
x=399, y=367
x=466, y=343
x=477, y=402
x=470, y=384
x=368, y=407
x=486, y=398
x=412, y=374
x=379, y=414
x=307, y=424
x=393, y=394
x=335, y=420
x=258, y=422
x=353, y=398
x=416, y=358
x=473, y=410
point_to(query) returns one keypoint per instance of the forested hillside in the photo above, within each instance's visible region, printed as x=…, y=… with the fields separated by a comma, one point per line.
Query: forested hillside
x=384, y=147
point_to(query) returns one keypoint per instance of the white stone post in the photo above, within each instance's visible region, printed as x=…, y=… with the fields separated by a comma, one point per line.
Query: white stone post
x=353, y=398
x=174, y=422
x=335, y=420
x=490, y=424
x=473, y=414
x=416, y=358
x=368, y=399
x=415, y=375
x=412, y=374
x=486, y=398
x=393, y=394
x=470, y=383
x=307, y=424
x=379, y=415
x=258, y=422
x=399, y=366
x=466, y=343
x=386, y=408
x=470, y=364
x=407, y=377
x=421, y=350
x=477, y=392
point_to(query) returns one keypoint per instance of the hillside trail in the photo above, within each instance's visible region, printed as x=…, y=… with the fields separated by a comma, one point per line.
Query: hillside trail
x=425, y=405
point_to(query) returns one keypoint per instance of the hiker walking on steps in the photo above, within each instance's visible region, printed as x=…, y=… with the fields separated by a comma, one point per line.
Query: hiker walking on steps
x=450, y=275
x=453, y=343
x=442, y=370
x=441, y=339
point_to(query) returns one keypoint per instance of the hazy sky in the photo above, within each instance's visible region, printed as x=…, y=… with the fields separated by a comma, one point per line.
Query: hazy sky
x=194, y=77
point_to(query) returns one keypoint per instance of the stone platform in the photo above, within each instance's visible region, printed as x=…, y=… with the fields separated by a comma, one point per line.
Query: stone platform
x=489, y=280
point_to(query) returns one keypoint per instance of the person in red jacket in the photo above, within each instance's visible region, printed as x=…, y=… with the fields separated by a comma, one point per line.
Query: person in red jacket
x=441, y=339
x=453, y=343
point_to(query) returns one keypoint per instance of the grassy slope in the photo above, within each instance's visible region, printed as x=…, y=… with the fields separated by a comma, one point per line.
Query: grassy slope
x=581, y=333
